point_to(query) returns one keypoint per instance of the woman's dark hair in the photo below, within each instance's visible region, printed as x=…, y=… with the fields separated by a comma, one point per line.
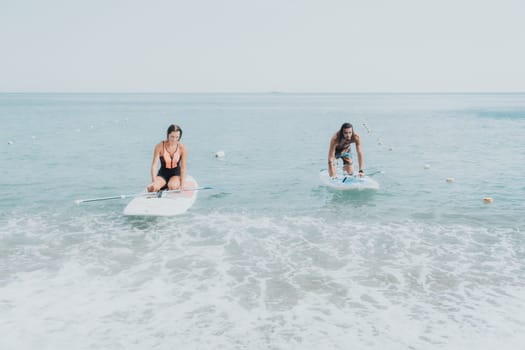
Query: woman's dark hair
x=344, y=126
x=172, y=128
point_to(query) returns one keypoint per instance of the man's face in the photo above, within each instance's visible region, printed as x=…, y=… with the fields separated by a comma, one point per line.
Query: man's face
x=347, y=133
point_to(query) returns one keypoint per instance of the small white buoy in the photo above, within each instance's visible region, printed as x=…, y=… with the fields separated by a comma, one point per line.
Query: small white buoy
x=488, y=200
x=427, y=166
x=219, y=154
x=450, y=179
x=10, y=142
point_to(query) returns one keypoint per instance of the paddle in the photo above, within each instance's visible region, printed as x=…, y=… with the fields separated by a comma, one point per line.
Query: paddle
x=123, y=196
x=374, y=173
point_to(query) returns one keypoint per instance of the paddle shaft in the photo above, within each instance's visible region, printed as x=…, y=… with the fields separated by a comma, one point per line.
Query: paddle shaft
x=123, y=196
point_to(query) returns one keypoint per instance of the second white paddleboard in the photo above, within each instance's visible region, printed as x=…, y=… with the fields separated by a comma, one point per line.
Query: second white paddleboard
x=348, y=182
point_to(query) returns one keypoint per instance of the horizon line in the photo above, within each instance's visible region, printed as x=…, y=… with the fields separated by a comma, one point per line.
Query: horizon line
x=276, y=92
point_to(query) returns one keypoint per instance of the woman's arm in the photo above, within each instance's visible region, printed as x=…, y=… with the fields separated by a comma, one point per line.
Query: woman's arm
x=154, y=162
x=183, y=165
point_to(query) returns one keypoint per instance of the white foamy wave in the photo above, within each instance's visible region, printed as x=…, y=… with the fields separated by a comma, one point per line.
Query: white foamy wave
x=245, y=281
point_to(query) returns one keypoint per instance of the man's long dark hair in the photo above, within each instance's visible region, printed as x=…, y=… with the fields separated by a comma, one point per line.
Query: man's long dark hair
x=345, y=126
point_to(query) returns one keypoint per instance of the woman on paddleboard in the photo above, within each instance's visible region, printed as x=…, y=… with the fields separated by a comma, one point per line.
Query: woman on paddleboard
x=340, y=148
x=172, y=156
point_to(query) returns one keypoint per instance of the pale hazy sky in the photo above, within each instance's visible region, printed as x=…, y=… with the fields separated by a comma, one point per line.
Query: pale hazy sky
x=260, y=46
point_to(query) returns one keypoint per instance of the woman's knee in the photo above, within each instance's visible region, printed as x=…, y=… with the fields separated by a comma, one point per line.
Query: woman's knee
x=173, y=185
x=158, y=184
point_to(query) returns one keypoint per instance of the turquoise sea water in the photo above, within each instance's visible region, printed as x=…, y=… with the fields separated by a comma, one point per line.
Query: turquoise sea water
x=270, y=258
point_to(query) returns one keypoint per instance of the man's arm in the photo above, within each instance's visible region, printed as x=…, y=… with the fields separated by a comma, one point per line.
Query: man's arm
x=331, y=157
x=359, y=151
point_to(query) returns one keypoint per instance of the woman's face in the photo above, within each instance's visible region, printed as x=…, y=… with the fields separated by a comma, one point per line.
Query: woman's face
x=174, y=136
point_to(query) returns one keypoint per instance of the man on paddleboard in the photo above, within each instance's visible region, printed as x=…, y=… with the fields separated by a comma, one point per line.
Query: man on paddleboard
x=340, y=148
x=172, y=156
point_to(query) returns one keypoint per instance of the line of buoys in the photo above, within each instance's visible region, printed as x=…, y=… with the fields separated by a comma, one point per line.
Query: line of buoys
x=378, y=139
x=450, y=180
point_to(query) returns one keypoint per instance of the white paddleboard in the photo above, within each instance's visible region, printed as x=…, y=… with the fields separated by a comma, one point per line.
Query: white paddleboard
x=170, y=203
x=348, y=182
